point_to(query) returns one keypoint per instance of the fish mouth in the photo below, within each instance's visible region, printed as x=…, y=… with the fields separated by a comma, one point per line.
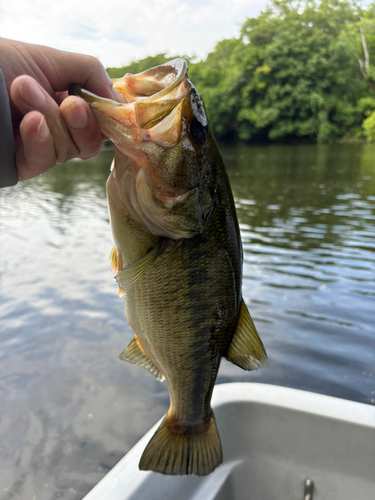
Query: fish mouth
x=157, y=105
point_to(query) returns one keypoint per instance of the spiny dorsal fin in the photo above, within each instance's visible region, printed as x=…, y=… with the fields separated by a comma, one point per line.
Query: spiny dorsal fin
x=129, y=275
x=134, y=354
x=116, y=264
x=246, y=349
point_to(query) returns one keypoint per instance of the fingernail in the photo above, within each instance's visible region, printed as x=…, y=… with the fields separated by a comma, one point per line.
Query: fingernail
x=76, y=115
x=116, y=95
x=32, y=94
x=43, y=130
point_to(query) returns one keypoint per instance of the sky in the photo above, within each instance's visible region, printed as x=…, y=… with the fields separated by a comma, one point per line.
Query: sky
x=120, y=31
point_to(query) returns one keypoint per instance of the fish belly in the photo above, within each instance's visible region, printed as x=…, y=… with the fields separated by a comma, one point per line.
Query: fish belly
x=176, y=310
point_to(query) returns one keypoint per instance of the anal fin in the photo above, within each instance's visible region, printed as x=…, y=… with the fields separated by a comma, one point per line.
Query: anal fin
x=246, y=349
x=134, y=354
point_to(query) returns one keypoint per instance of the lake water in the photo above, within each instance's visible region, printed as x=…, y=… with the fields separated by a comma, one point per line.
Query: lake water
x=70, y=409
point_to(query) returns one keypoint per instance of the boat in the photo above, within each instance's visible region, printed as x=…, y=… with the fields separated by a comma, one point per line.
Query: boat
x=279, y=443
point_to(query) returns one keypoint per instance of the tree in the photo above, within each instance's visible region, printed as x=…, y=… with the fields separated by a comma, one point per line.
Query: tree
x=141, y=65
x=306, y=83
x=301, y=69
x=362, y=39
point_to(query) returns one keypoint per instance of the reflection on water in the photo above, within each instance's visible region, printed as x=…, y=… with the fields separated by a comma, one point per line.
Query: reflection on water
x=70, y=409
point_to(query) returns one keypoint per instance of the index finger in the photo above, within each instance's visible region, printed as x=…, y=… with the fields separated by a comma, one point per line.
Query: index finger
x=63, y=68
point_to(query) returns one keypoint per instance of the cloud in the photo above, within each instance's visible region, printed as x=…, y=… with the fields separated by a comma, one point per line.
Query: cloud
x=117, y=31
x=82, y=31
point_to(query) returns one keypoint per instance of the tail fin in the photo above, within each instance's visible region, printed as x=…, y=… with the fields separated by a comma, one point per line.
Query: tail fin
x=183, y=451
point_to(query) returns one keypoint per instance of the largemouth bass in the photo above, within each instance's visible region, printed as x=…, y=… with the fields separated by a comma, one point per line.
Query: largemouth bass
x=177, y=257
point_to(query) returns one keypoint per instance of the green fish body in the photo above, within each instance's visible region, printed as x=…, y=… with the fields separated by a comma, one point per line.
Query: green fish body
x=177, y=257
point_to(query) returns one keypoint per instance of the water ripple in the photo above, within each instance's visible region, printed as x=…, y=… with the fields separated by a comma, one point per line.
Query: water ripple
x=307, y=221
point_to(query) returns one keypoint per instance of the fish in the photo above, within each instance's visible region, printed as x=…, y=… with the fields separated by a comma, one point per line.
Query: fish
x=177, y=256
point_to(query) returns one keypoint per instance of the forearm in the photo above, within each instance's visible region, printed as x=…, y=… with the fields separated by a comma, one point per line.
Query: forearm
x=8, y=170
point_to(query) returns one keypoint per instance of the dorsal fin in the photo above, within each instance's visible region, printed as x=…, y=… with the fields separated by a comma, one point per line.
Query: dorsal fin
x=246, y=349
x=135, y=354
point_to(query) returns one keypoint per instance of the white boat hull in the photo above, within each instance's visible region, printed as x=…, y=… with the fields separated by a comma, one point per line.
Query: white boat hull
x=274, y=438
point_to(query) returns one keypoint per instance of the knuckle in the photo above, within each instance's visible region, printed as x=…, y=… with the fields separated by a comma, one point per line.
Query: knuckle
x=88, y=142
x=93, y=151
x=94, y=67
x=65, y=152
x=39, y=163
x=93, y=61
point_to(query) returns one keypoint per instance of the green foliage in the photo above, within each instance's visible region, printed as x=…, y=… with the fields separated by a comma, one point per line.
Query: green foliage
x=369, y=127
x=366, y=105
x=218, y=80
x=141, y=65
x=298, y=70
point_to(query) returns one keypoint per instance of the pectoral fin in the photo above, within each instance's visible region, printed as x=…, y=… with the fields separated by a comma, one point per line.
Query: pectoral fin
x=129, y=275
x=134, y=354
x=117, y=265
x=246, y=349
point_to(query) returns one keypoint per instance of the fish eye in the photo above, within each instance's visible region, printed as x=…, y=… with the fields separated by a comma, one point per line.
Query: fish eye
x=197, y=130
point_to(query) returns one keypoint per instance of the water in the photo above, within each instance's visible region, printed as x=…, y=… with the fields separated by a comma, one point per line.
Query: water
x=70, y=408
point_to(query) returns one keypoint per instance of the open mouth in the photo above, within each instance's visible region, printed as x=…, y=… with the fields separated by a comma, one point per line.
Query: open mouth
x=157, y=106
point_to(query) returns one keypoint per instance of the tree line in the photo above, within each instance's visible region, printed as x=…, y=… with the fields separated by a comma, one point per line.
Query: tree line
x=300, y=70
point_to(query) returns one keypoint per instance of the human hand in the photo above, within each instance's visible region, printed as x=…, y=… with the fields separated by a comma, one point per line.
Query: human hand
x=50, y=127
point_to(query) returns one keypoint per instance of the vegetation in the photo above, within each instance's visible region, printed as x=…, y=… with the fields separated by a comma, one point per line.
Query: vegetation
x=142, y=65
x=301, y=69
